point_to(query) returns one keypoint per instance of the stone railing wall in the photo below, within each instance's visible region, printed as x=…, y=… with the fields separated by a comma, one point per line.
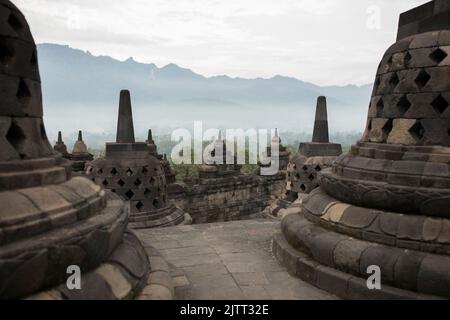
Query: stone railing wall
x=228, y=198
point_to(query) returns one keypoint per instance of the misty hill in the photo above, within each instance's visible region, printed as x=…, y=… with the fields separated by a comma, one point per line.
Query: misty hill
x=81, y=91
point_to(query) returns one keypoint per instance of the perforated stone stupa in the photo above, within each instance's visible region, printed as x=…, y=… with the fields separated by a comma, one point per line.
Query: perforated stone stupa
x=169, y=173
x=313, y=156
x=130, y=171
x=222, y=167
x=387, y=202
x=151, y=145
x=49, y=220
x=280, y=197
x=61, y=147
x=80, y=155
x=282, y=156
x=221, y=192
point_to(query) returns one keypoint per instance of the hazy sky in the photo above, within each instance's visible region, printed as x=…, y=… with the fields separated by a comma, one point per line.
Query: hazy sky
x=321, y=41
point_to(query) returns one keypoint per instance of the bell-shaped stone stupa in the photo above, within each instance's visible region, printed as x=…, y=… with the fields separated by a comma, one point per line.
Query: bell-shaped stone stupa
x=50, y=221
x=313, y=156
x=218, y=162
x=80, y=154
x=386, y=205
x=61, y=147
x=169, y=173
x=281, y=157
x=130, y=171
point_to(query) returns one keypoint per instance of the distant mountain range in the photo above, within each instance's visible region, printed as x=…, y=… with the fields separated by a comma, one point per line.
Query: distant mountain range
x=81, y=92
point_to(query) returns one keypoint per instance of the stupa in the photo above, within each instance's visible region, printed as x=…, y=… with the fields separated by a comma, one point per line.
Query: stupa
x=282, y=156
x=80, y=155
x=220, y=166
x=61, y=147
x=151, y=145
x=386, y=204
x=130, y=171
x=169, y=172
x=312, y=157
x=153, y=150
x=50, y=221
x=276, y=183
x=220, y=191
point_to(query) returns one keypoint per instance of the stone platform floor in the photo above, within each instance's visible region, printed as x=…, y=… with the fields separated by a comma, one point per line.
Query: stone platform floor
x=227, y=261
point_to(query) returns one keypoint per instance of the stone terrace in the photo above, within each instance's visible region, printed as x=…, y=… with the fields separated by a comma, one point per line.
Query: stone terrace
x=224, y=261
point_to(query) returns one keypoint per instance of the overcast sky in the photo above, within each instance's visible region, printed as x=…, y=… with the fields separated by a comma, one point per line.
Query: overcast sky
x=320, y=41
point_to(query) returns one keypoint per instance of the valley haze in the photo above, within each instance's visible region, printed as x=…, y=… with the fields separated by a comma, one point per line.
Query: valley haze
x=81, y=92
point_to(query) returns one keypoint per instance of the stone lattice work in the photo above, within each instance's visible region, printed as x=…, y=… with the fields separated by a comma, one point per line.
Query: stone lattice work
x=49, y=220
x=302, y=173
x=141, y=182
x=22, y=134
x=387, y=202
x=304, y=167
x=137, y=176
x=411, y=96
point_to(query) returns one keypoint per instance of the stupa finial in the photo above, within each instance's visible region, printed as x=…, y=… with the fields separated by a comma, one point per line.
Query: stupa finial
x=150, y=135
x=125, y=128
x=320, y=134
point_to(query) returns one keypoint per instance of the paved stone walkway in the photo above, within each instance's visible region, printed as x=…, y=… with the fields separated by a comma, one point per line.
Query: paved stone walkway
x=228, y=261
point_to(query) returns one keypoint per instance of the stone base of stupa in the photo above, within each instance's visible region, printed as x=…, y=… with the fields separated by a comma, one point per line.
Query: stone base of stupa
x=165, y=217
x=331, y=244
x=281, y=208
x=74, y=223
x=127, y=274
x=122, y=276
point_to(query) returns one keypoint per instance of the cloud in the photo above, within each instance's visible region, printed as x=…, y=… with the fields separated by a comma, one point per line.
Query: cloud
x=325, y=42
x=323, y=7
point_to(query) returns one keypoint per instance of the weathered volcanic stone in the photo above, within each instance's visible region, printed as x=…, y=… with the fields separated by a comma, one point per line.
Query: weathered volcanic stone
x=218, y=164
x=320, y=134
x=125, y=128
x=392, y=191
x=169, y=173
x=432, y=16
x=281, y=157
x=49, y=220
x=312, y=157
x=61, y=147
x=220, y=192
x=131, y=170
x=80, y=155
x=151, y=145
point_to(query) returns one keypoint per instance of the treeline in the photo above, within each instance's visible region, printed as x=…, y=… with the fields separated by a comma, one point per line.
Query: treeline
x=289, y=139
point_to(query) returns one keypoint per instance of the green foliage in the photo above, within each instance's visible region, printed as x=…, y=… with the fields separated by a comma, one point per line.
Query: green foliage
x=185, y=170
x=165, y=146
